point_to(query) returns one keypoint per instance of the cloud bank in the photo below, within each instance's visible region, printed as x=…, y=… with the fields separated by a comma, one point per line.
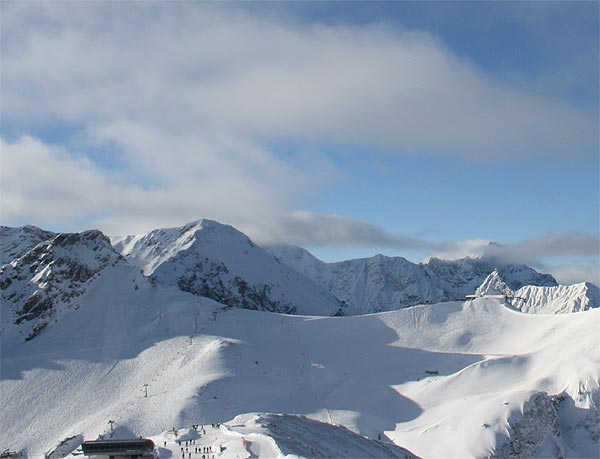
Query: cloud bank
x=199, y=69
x=188, y=100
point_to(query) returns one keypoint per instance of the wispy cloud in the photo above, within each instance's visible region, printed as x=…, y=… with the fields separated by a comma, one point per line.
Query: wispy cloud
x=574, y=273
x=550, y=245
x=314, y=229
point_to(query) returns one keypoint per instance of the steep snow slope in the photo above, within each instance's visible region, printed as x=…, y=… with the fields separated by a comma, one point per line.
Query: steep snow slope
x=381, y=283
x=557, y=300
x=37, y=288
x=526, y=358
x=302, y=261
x=15, y=242
x=544, y=300
x=450, y=380
x=210, y=259
x=384, y=283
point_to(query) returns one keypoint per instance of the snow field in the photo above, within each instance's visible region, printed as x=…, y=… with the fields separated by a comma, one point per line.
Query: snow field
x=443, y=380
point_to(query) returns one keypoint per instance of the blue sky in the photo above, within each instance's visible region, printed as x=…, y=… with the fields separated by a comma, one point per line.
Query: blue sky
x=351, y=128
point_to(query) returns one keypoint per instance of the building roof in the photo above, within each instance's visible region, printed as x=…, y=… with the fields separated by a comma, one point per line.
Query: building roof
x=132, y=446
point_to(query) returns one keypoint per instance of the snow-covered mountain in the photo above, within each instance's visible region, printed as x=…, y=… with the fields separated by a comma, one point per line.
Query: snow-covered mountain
x=450, y=380
x=84, y=331
x=383, y=283
x=54, y=276
x=559, y=299
x=15, y=242
x=462, y=277
x=217, y=261
x=494, y=285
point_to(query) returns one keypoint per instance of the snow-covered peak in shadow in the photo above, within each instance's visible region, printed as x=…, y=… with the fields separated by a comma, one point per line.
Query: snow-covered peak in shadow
x=53, y=277
x=15, y=242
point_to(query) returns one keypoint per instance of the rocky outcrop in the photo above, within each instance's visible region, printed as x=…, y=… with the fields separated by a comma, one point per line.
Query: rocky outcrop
x=52, y=276
x=551, y=426
x=15, y=242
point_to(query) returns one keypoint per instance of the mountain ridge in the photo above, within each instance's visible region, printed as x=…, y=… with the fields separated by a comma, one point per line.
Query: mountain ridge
x=449, y=380
x=207, y=258
x=533, y=299
x=381, y=283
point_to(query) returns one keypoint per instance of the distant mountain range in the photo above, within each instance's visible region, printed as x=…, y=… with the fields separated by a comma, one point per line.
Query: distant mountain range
x=45, y=274
x=383, y=283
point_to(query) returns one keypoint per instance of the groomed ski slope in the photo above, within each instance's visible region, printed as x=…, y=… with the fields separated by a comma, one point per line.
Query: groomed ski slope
x=440, y=380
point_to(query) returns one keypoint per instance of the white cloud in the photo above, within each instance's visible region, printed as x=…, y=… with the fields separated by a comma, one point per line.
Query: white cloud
x=48, y=184
x=197, y=69
x=51, y=186
x=573, y=274
x=310, y=228
x=557, y=244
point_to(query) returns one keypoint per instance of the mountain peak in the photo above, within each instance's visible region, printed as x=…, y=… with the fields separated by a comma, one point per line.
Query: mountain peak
x=204, y=223
x=148, y=251
x=208, y=258
x=15, y=242
x=494, y=285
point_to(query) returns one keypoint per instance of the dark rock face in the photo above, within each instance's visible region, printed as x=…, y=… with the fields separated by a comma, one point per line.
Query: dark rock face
x=212, y=280
x=528, y=433
x=555, y=424
x=15, y=242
